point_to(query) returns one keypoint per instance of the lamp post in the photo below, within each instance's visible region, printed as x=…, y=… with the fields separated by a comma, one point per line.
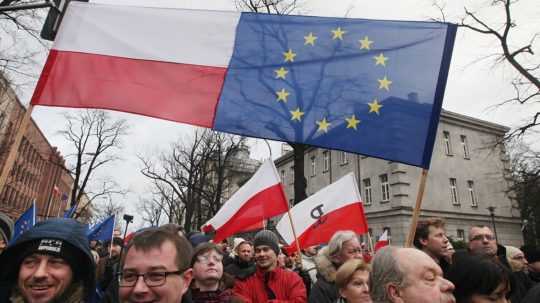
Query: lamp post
x=492, y=214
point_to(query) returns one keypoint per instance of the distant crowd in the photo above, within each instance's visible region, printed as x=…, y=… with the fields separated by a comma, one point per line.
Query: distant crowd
x=54, y=262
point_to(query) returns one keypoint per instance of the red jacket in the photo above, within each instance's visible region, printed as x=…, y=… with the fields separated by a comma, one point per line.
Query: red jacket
x=286, y=285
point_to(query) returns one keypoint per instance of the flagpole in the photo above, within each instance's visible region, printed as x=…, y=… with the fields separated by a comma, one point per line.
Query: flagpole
x=370, y=244
x=294, y=234
x=416, y=212
x=10, y=160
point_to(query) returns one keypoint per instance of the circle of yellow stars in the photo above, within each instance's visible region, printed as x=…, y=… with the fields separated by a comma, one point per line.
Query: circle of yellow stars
x=323, y=125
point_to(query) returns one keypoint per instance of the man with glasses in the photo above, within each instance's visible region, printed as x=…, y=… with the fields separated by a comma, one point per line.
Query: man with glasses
x=155, y=268
x=482, y=241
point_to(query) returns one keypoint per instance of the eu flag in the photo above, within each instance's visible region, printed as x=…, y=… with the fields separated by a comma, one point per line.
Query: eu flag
x=364, y=86
x=102, y=231
x=26, y=221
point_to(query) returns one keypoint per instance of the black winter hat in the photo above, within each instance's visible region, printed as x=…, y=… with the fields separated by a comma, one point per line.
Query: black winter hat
x=532, y=255
x=266, y=237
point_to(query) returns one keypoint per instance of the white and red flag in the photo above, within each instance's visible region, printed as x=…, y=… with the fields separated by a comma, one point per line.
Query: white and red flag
x=262, y=197
x=383, y=241
x=333, y=208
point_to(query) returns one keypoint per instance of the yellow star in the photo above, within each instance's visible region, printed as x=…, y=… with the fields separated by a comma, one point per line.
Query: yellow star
x=323, y=125
x=365, y=43
x=384, y=83
x=289, y=55
x=375, y=106
x=380, y=59
x=297, y=114
x=352, y=122
x=281, y=73
x=282, y=95
x=338, y=33
x=310, y=39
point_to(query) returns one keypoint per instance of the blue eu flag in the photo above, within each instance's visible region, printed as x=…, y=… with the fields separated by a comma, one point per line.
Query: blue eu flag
x=26, y=221
x=102, y=231
x=364, y=86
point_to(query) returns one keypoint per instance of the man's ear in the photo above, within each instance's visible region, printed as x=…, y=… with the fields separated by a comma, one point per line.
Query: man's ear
x=187, y=276
x=423, y=242
x=394, y=295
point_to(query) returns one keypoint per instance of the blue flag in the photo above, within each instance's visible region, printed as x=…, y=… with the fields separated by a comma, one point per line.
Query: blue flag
x=102, y=231
x=26, y=221
x=364, y=86
x=69, y=213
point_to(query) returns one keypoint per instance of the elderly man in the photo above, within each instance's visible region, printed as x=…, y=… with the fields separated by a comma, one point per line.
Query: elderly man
x=430, y=237
x=155, y=268
x=49, y=263
x=242, y=265
x=343, y=246
x=408, y=275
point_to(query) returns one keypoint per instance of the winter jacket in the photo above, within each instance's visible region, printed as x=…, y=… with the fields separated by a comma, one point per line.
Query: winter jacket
x=68, y=230
x=533, y=296
x=218, y=296
x=324, y=290
x=240, y=269
x=284, y=286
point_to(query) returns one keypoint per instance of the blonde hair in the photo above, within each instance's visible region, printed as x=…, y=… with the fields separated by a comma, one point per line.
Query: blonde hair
x=511, y=252
x=347, y=270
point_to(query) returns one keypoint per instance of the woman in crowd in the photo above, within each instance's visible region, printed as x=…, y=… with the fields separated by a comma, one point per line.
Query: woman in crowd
x=479, y=280
x=352, y=281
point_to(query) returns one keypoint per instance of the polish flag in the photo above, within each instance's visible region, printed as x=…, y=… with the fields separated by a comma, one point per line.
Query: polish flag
x=262, y=197
x=383, y=241
x=333, y=208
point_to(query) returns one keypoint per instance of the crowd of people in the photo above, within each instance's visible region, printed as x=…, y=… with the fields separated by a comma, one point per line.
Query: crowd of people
x=55, y=262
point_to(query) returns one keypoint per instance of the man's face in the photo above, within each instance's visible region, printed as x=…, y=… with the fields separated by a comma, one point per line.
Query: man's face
x=424, y=282
x=311, y=251
x=482, y=242
x=115, y=250
x=160, y=259
x=265, y=257
x=436, y=242
x=208, y=267
x=350, y=250
x=245, y=252
x=43, y=278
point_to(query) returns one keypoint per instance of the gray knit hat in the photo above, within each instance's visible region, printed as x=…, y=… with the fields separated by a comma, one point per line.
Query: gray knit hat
x=6, y=227
x=266, y=237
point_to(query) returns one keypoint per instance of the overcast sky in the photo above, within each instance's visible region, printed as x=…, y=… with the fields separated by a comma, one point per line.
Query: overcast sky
x=474, y=86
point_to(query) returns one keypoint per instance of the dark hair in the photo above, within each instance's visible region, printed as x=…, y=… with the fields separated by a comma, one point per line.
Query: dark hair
x=422, y=229
x=203, y=248
x=155, y=237
x=472, y=274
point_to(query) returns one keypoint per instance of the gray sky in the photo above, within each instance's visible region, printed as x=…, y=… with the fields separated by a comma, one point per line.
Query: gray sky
x=474, y=86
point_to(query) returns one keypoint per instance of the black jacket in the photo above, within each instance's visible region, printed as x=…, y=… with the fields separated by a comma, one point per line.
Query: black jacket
x=240, y=269
x=324, y=290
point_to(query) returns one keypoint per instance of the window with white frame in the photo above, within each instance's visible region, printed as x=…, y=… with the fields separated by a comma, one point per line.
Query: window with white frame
x=291, y=172
x=313, y=171
x=282, y=175
x=447, y=143
x=343, y=158
x=472, y=195
x=460, y=235
x=385, y=187
x=465, y=146
x=367, y=191
x=454, y=191
x=326, y=160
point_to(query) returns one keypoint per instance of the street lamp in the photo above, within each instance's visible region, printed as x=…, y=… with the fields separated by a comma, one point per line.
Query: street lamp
x=492, y=214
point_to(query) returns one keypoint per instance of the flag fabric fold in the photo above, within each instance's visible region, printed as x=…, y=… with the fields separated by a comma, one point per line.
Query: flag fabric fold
x=338, y=83
x=336, y=207
x=26, y=221
x=102, y=231
x=383, y=241
x=260, y=198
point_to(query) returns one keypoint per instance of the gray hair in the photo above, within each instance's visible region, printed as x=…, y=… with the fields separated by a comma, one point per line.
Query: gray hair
x=385, y=270
x=336, y=242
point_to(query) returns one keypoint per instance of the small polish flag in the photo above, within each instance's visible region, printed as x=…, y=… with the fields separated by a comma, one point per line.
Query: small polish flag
x=383, y=241
x=262, y=197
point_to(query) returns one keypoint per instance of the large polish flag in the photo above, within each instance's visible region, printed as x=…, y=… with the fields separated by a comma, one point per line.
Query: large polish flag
x=158, y=62
x=335, y=207
x=262, y=197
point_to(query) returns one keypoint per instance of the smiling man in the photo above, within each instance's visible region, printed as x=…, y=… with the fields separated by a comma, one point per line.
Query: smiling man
x=270, y=283
x=49, y=263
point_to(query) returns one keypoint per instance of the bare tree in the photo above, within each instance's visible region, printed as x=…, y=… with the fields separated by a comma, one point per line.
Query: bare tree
x=95, y=139
x=105, y=208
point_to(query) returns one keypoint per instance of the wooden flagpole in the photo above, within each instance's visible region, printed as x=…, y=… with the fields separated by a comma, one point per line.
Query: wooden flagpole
x=370, y=244
x=10, y=160
x=416, y=211
x=294, y=234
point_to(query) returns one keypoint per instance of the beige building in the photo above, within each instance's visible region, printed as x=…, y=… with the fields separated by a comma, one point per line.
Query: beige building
x=465, y=178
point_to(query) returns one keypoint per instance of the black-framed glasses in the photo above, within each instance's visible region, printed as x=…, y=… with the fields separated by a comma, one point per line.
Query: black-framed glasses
x=151, y=279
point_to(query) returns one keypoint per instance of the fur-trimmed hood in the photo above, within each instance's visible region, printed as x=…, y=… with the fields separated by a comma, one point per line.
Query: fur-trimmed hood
x=325, y=267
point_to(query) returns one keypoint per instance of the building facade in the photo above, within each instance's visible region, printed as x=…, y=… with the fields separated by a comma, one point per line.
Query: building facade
x=39, y=171
x=466, y=177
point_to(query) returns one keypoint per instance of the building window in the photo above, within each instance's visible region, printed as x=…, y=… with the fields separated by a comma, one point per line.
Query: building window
x=385, y=188
x=465, y=146
x=283, y=175
x=291, y=170
x=453, y=191
x=460, y=235
x=367, y=191
x=313, y=171
x=326, y=160
x=470, y=186
x=343, y=158
x=447, y=143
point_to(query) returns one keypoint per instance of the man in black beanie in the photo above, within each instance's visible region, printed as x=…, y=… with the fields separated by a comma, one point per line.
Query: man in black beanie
x=49, y=263
x=270, y=283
